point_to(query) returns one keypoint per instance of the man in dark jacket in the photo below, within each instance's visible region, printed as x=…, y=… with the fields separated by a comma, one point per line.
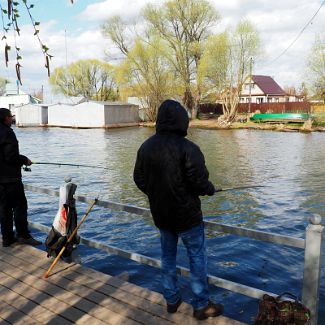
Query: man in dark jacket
x=171, y=171
x=13, y=203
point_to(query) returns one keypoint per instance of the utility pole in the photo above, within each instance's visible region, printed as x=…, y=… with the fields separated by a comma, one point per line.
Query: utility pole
x=250, y=84
x=66, y=61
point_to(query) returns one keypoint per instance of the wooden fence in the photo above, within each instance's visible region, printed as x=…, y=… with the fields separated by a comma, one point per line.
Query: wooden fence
x=318, y=109
x=286, y=107
x=213, y=108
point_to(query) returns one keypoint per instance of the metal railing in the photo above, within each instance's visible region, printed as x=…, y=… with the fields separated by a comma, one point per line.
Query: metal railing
x=312, y=244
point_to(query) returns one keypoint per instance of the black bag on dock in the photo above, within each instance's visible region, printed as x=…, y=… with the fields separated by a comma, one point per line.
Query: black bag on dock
x=278, y=311
x=55, y=241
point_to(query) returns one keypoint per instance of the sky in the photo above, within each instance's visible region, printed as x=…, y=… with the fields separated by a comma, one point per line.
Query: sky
x=73, y=32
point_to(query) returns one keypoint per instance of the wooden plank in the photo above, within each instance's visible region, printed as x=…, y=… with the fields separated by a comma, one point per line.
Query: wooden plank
x=37, y=284
x=138, y=302
x=130, y=296
x=37, y=312
x=78, y=288
x=187, y=308
x=12, y=315
x=38, y=315
x=70, y=313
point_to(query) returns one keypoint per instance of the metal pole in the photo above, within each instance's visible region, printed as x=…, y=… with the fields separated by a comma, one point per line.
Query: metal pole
x=250, y=85
x=312, y=266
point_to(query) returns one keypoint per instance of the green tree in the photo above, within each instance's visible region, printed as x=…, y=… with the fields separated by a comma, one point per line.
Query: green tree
x=225, y=65
x=3, y=83
x=145, y=74
x=316, y=67
x=145, y=71
x=91, y=79
x=184, y=25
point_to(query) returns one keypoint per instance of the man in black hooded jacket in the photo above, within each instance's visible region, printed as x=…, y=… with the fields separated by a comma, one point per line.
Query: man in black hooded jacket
x=171, y=171
x=13, y=203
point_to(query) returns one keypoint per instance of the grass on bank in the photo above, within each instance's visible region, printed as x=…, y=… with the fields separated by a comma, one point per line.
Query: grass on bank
x=319, y=119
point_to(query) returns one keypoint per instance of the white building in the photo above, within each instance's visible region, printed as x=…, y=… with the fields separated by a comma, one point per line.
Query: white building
x=16, y=97
x=264, y=89
x=93, y=114
x=31, y=115
x=137, y=101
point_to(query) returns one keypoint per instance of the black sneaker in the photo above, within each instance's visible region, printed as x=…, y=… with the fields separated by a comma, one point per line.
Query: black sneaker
x=211, y=310
x=8, y=242
x=172, y=308
x=28, y=241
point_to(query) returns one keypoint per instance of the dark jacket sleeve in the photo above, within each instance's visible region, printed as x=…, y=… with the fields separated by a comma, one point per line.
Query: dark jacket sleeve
x=11, y=150
x=197, y=175
x=138, y=173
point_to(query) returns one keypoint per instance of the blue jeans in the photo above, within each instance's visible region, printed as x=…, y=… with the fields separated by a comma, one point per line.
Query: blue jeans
x=194, y=241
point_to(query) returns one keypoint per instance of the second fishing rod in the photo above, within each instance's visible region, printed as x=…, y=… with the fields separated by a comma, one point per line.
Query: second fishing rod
x=59, y=164
x=217, y=189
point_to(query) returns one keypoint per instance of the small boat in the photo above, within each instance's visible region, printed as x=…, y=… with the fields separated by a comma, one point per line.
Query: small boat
x=281, y=117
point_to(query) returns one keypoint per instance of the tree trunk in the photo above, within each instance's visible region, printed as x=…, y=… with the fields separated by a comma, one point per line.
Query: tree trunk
x=189, y=102
x=229, y=107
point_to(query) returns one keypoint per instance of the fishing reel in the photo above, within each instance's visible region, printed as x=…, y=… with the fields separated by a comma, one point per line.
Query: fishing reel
x=27, y=169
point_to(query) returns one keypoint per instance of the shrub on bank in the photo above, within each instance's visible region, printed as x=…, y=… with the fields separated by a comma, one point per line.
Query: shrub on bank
x=319, y=119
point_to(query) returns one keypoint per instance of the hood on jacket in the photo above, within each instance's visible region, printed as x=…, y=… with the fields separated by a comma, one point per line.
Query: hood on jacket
x=172, y=117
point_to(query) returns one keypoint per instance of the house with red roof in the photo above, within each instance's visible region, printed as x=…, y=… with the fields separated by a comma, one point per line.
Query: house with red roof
x=264, y=89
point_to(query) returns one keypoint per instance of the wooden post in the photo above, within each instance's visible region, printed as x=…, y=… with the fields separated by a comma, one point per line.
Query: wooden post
x=312, y=266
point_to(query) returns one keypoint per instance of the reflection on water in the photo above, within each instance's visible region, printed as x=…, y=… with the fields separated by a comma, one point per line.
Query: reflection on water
x=290, y=165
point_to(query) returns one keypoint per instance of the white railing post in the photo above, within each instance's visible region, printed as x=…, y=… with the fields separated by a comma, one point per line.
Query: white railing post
x=312, y=266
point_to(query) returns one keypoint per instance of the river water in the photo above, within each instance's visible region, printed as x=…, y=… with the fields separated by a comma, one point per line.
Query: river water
x=290, y=165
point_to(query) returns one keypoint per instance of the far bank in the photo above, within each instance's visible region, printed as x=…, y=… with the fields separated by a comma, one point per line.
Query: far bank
x=213, y=125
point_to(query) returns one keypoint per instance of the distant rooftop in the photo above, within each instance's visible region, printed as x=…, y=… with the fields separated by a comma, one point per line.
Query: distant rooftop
x=50, y=98
x=268, y=85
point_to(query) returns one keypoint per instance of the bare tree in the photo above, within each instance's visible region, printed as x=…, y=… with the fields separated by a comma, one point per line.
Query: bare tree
x=144, y=72
x=184, y=25
x=316, y=67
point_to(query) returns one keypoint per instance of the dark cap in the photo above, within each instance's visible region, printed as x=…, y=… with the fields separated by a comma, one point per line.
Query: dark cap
x=4, y=112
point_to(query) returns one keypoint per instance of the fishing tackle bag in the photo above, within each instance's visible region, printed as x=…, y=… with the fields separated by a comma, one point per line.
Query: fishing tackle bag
x=64, y=224
x=55, y=241
x=280, y=311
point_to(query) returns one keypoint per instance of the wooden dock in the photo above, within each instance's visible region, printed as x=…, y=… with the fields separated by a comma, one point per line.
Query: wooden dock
x=74, y=294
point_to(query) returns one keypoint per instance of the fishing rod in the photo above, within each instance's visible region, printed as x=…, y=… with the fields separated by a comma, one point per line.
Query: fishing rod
x=27, y=169
x=219, y=189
